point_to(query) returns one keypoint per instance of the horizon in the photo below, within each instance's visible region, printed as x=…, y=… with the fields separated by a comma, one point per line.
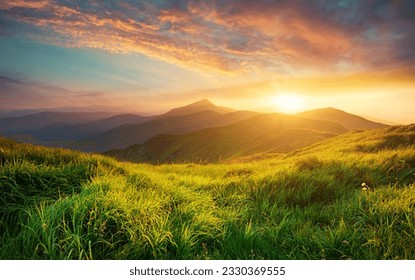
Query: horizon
x=265, y=56
x=29, y=112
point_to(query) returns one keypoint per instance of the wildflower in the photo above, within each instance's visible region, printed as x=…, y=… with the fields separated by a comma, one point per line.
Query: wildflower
x=365, y=187
x=44, y=226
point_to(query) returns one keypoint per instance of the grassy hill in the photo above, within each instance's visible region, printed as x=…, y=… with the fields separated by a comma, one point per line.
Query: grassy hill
x=349, y=197
x=349, y=121
x=266, y=133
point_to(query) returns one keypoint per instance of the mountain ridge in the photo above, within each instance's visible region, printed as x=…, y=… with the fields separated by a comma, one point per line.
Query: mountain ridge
x=126, y=135
x=277, y=133
x=201, y=105
x=100, y=131
x=47, y=118
x=349, y=121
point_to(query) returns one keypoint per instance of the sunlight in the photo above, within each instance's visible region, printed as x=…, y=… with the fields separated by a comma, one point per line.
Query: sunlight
x=289, y=103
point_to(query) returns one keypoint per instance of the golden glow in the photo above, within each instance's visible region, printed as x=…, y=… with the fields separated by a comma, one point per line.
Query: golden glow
x=289, y=103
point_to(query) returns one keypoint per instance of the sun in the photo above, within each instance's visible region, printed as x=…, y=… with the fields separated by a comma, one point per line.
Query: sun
x=289, y=103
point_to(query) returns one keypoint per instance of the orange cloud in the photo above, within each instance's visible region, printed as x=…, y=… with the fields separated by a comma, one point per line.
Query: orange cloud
x=5, y=5
x=235, y=37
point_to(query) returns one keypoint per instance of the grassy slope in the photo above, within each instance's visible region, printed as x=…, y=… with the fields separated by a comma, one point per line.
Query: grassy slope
x=310, y=204
x=266, y=133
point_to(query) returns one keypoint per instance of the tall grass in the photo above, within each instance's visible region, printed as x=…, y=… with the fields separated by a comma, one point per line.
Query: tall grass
x=58, y=204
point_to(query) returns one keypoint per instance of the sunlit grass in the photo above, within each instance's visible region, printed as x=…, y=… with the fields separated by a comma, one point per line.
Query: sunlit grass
x=58, y=204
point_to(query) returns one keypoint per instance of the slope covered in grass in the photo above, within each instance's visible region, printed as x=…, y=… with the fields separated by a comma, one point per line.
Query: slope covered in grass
x=309, y=204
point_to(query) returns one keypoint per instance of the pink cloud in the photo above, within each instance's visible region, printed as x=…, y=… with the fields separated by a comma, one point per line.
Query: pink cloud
x=249, y=36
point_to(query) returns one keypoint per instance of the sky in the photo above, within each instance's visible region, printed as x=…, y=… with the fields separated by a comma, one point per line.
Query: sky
x=149, y=56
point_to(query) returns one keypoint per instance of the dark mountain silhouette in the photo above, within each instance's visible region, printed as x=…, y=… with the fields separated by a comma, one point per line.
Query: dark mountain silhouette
x=265, y=133
x=349, y=121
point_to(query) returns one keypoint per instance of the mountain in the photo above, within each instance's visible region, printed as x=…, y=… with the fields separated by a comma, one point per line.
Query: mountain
x=103, y=131
x=44, y=119
x=76, y=132
x=265, y=133
x=202, y=105
x=129, y=134
x=349, y=121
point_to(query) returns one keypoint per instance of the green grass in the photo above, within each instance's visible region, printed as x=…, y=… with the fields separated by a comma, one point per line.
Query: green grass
x=309, y=204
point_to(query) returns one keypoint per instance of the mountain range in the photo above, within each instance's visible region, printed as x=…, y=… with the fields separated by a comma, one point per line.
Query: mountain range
x=265, y=133
x=200, y=131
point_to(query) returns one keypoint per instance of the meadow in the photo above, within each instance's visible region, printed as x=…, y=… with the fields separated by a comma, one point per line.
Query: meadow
x=348, y=197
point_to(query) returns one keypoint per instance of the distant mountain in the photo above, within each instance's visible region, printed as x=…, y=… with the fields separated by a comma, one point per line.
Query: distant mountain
x=126, y=135
x=19, y=113
x=44, y=119
x=102, y=131
x=349, y=121
x=202, y=105
x=265, y=133
x=200, y=130
x=76, y=132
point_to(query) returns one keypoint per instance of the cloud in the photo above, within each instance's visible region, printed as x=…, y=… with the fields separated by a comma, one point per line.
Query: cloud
x=5, y=5
x=283, y=37
x=16, y=94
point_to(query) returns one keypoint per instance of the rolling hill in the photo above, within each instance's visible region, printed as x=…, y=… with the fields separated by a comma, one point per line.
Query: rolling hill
x=266, y=133
x=349, y=121
x=348, y=197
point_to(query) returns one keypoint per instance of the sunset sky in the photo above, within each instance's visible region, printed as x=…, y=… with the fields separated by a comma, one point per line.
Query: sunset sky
x=149, y=56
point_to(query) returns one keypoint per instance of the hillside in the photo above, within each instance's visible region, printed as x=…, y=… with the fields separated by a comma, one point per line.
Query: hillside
x=348, y=197
x=126, y=135
x=349, y=121
x=267, y=133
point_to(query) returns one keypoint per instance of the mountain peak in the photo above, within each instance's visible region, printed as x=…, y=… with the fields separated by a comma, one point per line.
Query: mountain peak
x=201, y=105
x=203, y=102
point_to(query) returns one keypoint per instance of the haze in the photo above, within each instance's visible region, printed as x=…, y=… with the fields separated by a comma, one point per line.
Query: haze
x=150, y=56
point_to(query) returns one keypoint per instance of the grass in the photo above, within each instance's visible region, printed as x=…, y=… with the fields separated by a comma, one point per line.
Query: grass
x=309, y=204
